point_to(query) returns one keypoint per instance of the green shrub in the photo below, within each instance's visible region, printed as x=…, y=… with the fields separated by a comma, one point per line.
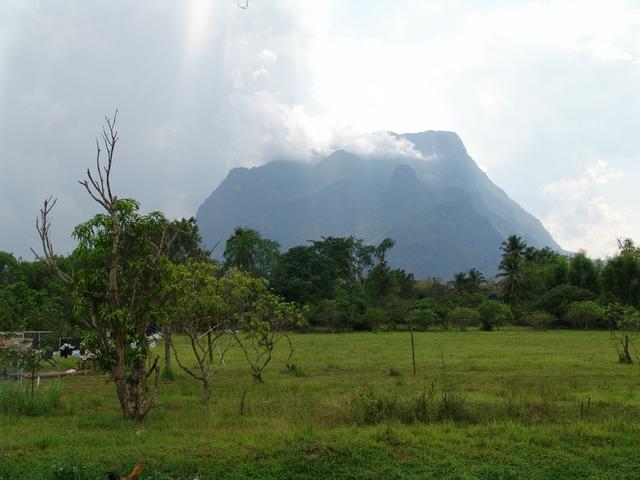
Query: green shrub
x=494, y=314
x=557, y=300
x=587, y=314
x=463, y=317
x=538, y=320
x=295, y=371
x=371, y=319
x=422, y=314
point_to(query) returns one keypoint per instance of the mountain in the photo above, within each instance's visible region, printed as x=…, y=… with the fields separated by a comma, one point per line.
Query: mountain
x=442, y=210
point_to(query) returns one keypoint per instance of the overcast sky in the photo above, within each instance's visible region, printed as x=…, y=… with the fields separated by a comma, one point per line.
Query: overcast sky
x=545, y=95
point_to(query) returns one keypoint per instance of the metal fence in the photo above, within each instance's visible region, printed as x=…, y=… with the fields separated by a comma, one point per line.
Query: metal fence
x=11, y=366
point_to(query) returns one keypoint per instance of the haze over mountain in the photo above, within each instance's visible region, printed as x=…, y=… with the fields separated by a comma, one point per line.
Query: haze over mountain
x=442, y=210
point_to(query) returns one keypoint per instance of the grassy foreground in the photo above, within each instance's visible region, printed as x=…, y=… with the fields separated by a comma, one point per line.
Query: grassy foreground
x=490, y=405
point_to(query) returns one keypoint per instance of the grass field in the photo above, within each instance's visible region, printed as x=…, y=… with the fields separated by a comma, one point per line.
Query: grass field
x=491, y=405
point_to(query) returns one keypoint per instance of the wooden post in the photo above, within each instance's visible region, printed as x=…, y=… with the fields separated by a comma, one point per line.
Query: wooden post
x=413, y=348
x=167, y=347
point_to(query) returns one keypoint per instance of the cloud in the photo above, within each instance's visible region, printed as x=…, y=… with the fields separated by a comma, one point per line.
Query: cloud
x=204, y=86
x=268, y=56
x=183, y=77
x=379, y=144
x=581, y=217
x=261, y=73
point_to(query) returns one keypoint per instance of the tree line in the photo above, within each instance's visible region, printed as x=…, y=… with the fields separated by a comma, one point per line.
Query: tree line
x=345, y=284
x=349, y=285
x=133, y=274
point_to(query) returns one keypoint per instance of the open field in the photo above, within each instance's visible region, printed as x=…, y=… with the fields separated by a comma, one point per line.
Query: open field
x=494, y=405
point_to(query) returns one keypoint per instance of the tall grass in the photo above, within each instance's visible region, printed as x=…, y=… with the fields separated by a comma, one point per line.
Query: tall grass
x=434, y=405
x=16, y=399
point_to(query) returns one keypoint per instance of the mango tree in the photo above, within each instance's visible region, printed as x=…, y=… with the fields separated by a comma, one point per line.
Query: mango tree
x=118, y=281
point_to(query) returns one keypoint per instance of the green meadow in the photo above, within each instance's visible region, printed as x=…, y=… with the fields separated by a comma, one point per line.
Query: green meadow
x=508, y=404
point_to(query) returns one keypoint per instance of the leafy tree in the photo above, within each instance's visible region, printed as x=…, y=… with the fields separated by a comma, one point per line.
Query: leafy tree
x=260, y=319
x=119, y=282
x=9, y=269
x=185, y=242
x=344, y=311
x=493, y=314
x=583, y=273
x=621, y=274
x=422, y=313
x=303, y=276
x=198, y=308
x=247, y=250
x=557, y=300
x=587, y=314
x=558, y=273
x=614, y=313
x=396, y=308
x=184, y=246
x=32, y=297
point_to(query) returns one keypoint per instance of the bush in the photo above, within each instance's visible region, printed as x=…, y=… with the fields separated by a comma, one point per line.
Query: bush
x=587, y=314
x=538, y=320
x=371, y=319
x=295, y=371
x=463, y=317
x=17, y=400
x=494, y=314
x=421, y=313
x=557, y=300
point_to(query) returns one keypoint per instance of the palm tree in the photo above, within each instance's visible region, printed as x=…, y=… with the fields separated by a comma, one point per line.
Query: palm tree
x=512, y=275
x=511, y=267
x=459, y=283
x=475, y=279
x=514, y=247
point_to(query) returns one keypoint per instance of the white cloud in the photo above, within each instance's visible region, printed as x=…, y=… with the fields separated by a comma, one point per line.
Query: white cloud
x=581, y=217
x=268, y=56
x=261, y=73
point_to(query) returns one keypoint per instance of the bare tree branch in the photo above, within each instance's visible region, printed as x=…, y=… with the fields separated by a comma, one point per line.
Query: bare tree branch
x=43, y=226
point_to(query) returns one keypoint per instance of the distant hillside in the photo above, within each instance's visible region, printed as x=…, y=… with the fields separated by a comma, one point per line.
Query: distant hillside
x=444, y=213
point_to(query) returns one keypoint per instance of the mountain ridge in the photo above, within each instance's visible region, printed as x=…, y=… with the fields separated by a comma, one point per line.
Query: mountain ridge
x=443, y=211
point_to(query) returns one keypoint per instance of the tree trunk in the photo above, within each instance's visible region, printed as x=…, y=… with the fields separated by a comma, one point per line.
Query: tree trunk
x=206, y=384
x=256, y=373
x=135, y=396
x=625, y=357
